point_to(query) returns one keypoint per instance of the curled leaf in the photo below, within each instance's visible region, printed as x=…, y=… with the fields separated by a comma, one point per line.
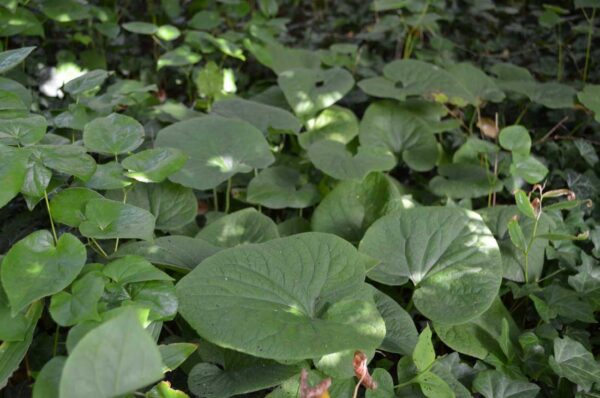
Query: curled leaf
x=362, y=372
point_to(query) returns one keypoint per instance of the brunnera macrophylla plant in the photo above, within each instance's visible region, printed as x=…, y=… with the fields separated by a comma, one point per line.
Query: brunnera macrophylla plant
x=261, y=199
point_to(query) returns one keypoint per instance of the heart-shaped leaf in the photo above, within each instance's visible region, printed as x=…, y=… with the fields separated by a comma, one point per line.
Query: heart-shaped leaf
x=264, y=117
x=590, y=98
x=154, y=165
x=109, y=219
x=333, y=124
x=302, y=288
x=448, y=253
x=23, y=131
x=464, y=180
x=239, y=228
x=353, y=206
x=494, y=384
x=400, y=330
x=334, y=159
x=280, y=187
x=131, y=269
x=67, y=159
x=113, y=134
x=36, y=267
x=310, y=90
x=108, y=176
x=70, y=308
x=407, y=129
x=68, y=206
x=217, y=149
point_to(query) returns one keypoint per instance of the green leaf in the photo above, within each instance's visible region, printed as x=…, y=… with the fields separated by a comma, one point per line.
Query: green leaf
x=180, y=253
x=113, y=134
x=141, y=28
x=11, y=58
x=173, y=355
x=524, y=205
x=12, y=353
x=86, y=82
x=65, y=10
x=264, y=117
x=68, y=206
x=423, y=355
x=180, y=56
x=164, y=390
x=574, y=362
x=334, y=159
x=172, y=205
x=385, y=385
x=280, y=187
x=210, y=381
x=108, y=176
x=23, y=131
x=480, y=336
x=587, y=151
x=12, y=328
x=130, y=361
x=434, y=386
x=130, y=269
x=310, y=90
x=80, y=304
x=217, y=149
x=590, y=98
x=333, y=124
x=528, y=168
x=35, y=267
x=109, y=219
x=13, y=169
x=168, y=32
x=448, y=253
x=400, y=331
x=407, y=129
x=158, y=296
x=515, y=139
x=464, y=180
x=494, y=384
x=67, y=159
x=516, y=235
x=154, y=165
x=47, y=382
x=239, y=228
x=205, y=20
x=307, y=288
x=11, y=105
x=353, y=206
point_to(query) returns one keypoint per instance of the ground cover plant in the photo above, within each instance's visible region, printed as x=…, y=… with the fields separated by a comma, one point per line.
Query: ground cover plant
x=288, y=198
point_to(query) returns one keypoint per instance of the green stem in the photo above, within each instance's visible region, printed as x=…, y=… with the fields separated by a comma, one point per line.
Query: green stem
x=99, y=247
x=215, y=199
x=560, y=54
x=528, y=249
x=589, y=46
x=227, y=196
x=55, y=347
x=50, y=216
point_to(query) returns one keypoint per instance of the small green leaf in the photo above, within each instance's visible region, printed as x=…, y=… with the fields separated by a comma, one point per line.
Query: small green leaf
x=154, y=165
x=47, y=382
x=24, y=130
x=142, y=28
x=168, y=32
x=590, y=98
x=68, y=206
x=434, y=386
x=515, y=139
x=524, y=205
x=175, y=354
x=113, y=134
x=516, y=235
x=109, y=219
x=13, y=169
x=80, y=304
x=494, y=384
x=574, y=362
x=239, y=228
x=280, y=187
x=130, y=269
x=11, y=58
x=86, y=82
x=424, y=355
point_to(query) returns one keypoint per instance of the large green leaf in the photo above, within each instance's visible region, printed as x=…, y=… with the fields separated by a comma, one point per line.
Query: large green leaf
x=242, y=227
x=217, y=149
x=448, y=253
x=115, y=358
x=310, y=90
x=13, y=168
x=47, y=382
x=12, y=353
x=113, y=134
x=109, y=219
x=407, y=129
x=154, y=165
x=181, y=253
x=334, y=159
x=264, y=117
x=36, y=267
x=494, y=384
x=353, y=206
x=280, y=187
x=11, y=58
x=173, y=205
x=306, y=294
